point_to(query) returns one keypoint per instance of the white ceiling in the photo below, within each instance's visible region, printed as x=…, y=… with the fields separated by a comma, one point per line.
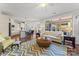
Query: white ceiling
x=34, y=12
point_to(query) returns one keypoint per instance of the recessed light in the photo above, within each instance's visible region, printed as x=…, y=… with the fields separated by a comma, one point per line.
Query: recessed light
x=54, y=12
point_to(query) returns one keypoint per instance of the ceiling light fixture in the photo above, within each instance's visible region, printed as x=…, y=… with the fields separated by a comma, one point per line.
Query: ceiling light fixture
x=43, y=5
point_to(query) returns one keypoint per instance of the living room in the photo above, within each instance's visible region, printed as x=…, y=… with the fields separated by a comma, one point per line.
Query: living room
x=39, y=29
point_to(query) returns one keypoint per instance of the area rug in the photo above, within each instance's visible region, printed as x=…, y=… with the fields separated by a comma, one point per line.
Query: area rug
x=31, y=48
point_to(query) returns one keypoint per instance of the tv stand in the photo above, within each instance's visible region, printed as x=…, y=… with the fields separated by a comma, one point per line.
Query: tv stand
x=71, y=39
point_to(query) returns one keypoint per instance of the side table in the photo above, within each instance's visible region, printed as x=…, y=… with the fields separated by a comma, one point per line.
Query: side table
x=16, y=43
x=71, y=39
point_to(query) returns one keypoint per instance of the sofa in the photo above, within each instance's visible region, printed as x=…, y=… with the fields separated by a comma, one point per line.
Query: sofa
x=55, y=36
x=5, y=41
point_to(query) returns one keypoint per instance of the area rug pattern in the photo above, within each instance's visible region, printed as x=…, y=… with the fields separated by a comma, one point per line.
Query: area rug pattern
x=31, y=48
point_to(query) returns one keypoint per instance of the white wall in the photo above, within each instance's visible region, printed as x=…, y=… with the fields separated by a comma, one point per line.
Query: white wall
x=76, y=28
x=4, y=20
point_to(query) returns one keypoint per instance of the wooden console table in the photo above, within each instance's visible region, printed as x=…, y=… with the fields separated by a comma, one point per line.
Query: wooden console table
x=71, y=39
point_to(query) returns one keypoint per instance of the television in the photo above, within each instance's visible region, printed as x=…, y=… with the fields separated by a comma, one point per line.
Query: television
x=65, y=33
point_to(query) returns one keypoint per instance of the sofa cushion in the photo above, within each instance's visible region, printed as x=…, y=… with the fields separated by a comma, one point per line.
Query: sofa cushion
x=54, y=35
x=6, y=43
x=1, y=38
